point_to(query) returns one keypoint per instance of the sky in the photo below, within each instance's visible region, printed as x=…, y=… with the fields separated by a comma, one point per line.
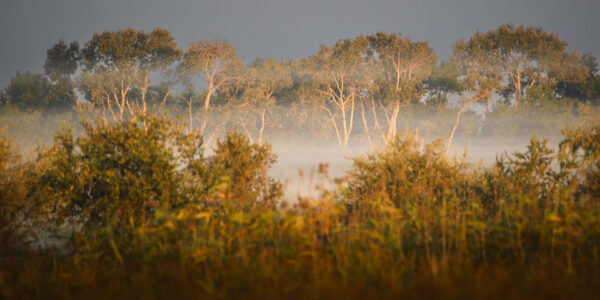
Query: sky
x=281, y=28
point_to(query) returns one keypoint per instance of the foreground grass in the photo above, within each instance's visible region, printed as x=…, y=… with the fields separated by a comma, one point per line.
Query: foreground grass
x=156, y=219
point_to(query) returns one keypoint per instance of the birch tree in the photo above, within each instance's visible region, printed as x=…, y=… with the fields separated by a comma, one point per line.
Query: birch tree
x=215, y=61
x=480, y=77
x=526, y=55
x=403, y=66
x=338, y=74
x=119, y=62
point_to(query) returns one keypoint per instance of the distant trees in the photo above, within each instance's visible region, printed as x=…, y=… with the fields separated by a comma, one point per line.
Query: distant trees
x=584, y=87
x=215, y=61
x=338, y=73
x=62, y=60
x=527, y=56
x=379, y=76
x=263, y=78
x=480, y=74
x=118, y=62
x=401, y=67
x=29, y=91
x=442, y=81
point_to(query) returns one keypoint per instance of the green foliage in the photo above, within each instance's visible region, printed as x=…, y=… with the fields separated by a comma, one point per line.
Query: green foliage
x=29, y=92
x=112, y=175
x=581, y=150
x=238, y=170
x=15, y=210
x=406, y=220
x=442, y=81
x=402, y=66
x=120, y=62
x=62, y=60
x=121, y=174
x=403, y=175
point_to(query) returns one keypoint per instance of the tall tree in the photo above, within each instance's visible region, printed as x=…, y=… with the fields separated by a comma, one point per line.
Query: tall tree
x=338, y=73
x=215, y=61
x=403, y=66
x=28, y=91
x=119, y=61
x=442, y=81
x=581, y=80
x=481, y=73
x=263, y=78
x=527, y=56
x=62, y=60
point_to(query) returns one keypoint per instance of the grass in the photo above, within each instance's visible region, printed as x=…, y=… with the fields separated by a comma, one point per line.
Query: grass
x=406, y=222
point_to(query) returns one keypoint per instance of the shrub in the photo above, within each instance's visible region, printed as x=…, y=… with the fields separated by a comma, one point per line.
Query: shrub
x=238, y=171
x=403, y=175
x=115, y=174
x=15, y=211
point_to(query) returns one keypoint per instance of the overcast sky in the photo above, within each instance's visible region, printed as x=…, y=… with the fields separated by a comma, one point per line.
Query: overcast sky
x=281, y=28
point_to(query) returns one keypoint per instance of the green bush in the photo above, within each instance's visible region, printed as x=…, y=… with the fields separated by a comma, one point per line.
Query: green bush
x=119, y=174
x=238, y=169
x=15, y=211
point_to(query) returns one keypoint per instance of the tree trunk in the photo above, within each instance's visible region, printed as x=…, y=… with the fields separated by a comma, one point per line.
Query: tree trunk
x=144, y=90
x=262, y=126
x=455, y=126
x=517, y=89
x=364, y=119
x=191, y=120
x=207, y=98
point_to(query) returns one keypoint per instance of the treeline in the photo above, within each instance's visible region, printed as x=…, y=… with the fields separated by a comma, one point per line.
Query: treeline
x=355, y=87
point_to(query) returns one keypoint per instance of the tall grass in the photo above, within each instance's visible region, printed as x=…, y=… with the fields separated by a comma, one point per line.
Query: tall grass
x=406, y=221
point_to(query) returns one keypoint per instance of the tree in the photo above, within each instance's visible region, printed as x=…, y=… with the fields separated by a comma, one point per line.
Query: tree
x=265, y=77
x=213, y=60
x=62, y=60
x=61, y=63
x=442, y=81
x=114, y=174
x=481, y=73
x=338, y=73
x=402, y=67
x=16, y=211
x=527, y=56
x=239, y=169
x=584, y=86
x=117, y=62
x=28, y=91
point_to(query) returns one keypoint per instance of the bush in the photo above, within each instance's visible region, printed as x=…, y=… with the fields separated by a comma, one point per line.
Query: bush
x=404, y=176
x=238, y=170
x=15, y=211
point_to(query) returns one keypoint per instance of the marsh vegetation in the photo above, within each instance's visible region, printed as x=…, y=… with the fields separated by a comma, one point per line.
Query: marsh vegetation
x=156, y=186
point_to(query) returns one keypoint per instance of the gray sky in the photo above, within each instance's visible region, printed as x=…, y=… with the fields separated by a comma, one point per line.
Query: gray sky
x=281, y=28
